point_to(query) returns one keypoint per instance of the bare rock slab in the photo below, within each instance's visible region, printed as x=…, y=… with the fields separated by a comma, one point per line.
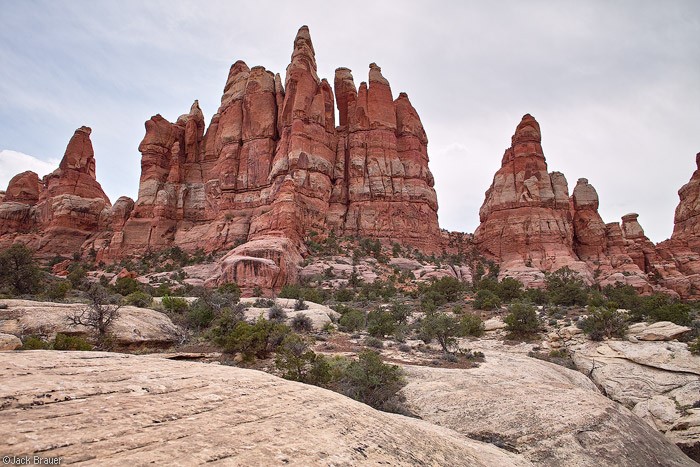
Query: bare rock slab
x=95, y=408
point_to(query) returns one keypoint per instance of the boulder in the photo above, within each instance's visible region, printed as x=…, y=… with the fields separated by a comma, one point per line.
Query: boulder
x=9, y=342
x=659, y=331
x=135, y=327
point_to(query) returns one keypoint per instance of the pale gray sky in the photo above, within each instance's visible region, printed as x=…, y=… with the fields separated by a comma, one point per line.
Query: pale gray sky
x=615, y=84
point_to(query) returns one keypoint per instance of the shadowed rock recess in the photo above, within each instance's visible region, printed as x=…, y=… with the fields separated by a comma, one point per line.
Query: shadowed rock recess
x=273, y=167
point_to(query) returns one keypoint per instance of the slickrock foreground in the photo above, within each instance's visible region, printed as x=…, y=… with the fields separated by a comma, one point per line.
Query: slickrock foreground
x=551, y=415
x=111, y=409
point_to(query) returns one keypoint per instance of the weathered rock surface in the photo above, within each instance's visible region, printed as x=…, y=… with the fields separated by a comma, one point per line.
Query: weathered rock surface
x=659, y=381
x=549, y=414
x=9, y=342
x=135, y=327
x=660, y=331
x=118, y=409
x=526, y=221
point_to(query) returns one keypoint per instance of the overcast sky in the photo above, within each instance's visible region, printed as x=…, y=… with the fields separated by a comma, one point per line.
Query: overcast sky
x=615, y=85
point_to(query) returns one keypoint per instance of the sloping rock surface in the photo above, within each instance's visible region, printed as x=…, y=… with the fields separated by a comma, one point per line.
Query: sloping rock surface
x=552, y=415
x=111, y=409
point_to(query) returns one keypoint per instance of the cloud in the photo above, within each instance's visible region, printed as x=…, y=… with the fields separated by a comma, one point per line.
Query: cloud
x=13, y=162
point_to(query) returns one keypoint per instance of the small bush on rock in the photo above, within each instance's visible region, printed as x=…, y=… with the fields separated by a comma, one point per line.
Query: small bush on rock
x=604, y=323
x=139, y=299
x=64, y=342
x=302, y=323
x=352, y=320
x=522, y=321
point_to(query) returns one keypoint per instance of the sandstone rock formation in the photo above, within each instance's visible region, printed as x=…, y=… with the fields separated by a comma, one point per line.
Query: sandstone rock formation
x=137, y=410
x=57, y=214
x=273, y=167
x=551, y=415
x=526, y=222
x=134, y=328
x=659, y=381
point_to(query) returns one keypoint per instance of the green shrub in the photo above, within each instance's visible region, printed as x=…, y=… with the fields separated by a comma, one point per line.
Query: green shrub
x=565, y=287
x=175, y=304
x=302, y=323
x=19, y=273
x=471, y=325
x=64, y=342
x=536, y=296
x=486, y=300
x=232, y=289
x=694, y=346
x=602, y=323
x=58, y=290
x=200, y=314
x=381, y=323
x=276, y=313
x=296, y=361
x=139, y=299
x=509, y=289
x=34, y=343
x=344, y=295
x=522, y=320
x=76, y=275
x=263, y=303
x=371, y=381
x=371, y=341
x=352, y=320
x=443, y=290
x=442, y=327
x=254, y=340
x=621, y=296
x=300, y=304
x=225, y=323
x=126, y=285
x=678, y=313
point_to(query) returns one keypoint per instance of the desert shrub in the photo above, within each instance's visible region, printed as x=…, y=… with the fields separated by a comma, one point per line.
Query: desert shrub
x=371, y=341
x=602, y=323
x=34, y=343
x=694, y=346
x=522, y=320
x=679, y=313
x=276, y=313
x=371, y=381
x=64, y=342
x=486, y=300
x=100, y=312
x=302, y=323
x=312, y=294
x=230, y=288
x=200, y=315
x=295, y=360
x=509, y=289
x=344, y=295
x=126, y=285
x=381, y=323
x=254, y=340
x=444, y=290
x=224, y=324
x=471, y=325
x=352, y=320
x=442, y=327
x=300, y=304
x=565, y=287
x=175, y=304
x=139, y=299
x=263, y=303
x=377, y=290
x=536, y=296
x=77, y=275
x=19, y=273
x=621, y=296
x=57, y=290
